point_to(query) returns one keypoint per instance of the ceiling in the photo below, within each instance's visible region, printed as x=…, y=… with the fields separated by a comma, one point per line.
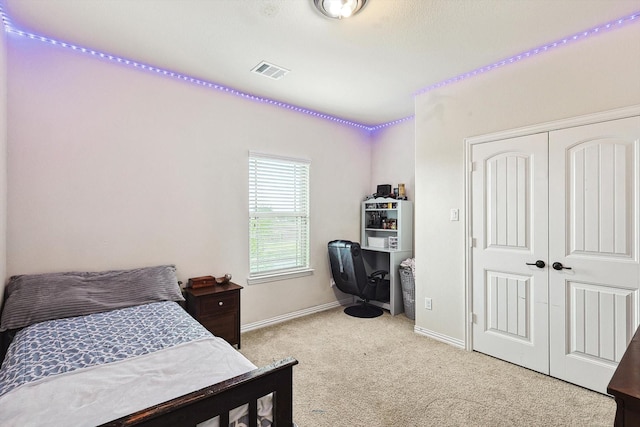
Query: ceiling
x=365, y=69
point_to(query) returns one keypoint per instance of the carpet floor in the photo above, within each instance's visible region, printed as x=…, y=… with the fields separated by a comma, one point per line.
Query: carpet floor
x=380, y=373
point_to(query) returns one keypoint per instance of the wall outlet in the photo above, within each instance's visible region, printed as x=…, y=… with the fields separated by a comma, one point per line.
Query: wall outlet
x=427, y=303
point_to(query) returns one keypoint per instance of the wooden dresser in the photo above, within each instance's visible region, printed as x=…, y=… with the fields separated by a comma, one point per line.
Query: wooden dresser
x=625, y=385
x=217, y=308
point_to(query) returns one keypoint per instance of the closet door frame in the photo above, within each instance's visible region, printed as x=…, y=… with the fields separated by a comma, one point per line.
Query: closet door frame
x=523, y=131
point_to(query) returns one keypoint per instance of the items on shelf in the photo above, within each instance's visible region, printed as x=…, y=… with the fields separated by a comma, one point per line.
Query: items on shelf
x=386, y=192
x=383, y=220
x=383, y=190
x=201, y=282
x=204, y=281
x=378, y=242
x=224, y=279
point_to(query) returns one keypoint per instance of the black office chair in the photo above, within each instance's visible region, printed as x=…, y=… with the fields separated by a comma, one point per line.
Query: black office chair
x=349, y=274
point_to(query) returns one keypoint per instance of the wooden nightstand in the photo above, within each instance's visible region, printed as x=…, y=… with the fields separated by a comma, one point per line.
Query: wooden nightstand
x=217, y=308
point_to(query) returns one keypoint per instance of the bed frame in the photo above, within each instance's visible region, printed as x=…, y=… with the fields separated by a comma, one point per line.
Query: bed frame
x=220, y=398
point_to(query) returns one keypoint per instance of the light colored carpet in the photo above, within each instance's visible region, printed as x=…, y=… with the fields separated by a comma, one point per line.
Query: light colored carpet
x=379, y=372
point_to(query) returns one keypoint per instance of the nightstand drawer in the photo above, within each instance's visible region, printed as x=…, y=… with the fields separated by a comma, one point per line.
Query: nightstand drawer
x=212, y=305
x=217, y=308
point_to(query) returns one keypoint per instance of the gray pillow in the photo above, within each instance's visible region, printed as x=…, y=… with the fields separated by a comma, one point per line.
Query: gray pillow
x=39, y=297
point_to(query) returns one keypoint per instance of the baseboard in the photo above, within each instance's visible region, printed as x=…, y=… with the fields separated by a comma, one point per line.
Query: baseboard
x=439, y=337
x=300, y=313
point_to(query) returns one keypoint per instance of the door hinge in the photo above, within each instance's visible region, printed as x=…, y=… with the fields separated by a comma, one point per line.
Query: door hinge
x=472, y=167
x=472, y=242
x=472, y=318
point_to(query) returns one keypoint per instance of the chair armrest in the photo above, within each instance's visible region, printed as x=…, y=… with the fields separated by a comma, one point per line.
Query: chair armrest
x=380, y=273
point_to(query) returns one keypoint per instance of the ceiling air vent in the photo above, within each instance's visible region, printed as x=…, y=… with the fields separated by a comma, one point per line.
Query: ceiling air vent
x=269, y=70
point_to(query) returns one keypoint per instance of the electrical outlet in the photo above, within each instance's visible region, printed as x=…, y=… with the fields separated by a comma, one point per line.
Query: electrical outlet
x=427, y=303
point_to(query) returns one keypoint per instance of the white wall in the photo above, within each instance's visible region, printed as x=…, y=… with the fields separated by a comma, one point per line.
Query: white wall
x=3, y=162
x=393, y=157
x=592, y=75
x=112, y=167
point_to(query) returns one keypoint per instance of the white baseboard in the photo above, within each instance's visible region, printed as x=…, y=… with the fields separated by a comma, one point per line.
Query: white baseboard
x=318, y=308
x=300, y=313
x=439, y=337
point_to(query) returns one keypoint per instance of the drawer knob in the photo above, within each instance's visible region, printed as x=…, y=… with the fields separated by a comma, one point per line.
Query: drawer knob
x=220, y=303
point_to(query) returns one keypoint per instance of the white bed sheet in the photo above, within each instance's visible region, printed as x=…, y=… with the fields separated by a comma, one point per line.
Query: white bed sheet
x=98, y=394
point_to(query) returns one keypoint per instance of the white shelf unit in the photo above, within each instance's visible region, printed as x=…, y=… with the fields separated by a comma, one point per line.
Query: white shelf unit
x=398, y=217
x=398, y=226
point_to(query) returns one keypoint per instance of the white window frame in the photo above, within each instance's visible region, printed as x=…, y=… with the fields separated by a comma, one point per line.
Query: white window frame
x=268, y=176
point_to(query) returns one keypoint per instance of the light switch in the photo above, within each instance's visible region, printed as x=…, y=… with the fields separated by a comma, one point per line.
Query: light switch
x=427, y=303
x=454, y=215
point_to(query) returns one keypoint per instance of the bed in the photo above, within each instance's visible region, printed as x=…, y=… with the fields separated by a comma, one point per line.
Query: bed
x=115, y=348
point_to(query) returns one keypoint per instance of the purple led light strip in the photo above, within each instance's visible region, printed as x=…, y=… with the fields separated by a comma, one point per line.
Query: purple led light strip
x=11, y=29
x=535, y=51
x=516, y=58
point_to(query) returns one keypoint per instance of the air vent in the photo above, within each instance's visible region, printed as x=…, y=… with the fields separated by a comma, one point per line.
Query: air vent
x=269, y=70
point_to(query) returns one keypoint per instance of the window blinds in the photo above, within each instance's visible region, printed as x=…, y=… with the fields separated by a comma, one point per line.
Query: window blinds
x=278, y=214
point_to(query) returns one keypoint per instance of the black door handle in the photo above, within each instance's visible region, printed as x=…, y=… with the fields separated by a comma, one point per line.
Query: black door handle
x=539, y=263
x=559, y=266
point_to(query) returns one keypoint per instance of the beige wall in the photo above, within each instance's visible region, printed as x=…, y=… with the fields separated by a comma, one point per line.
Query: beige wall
x=3, y=162
x=112, y=167
x=592, y=75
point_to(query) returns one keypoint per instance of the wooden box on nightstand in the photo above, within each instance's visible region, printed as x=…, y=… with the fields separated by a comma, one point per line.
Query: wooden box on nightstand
x=217, y=308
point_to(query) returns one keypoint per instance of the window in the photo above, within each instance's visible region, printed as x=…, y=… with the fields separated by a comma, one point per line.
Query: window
x=278, y=217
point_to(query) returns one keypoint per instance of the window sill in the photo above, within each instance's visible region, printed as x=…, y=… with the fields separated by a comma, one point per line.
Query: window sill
x=279, y=276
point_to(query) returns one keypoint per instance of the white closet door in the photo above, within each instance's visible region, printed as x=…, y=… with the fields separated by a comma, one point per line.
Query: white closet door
x=509, y=222
x=593, y=218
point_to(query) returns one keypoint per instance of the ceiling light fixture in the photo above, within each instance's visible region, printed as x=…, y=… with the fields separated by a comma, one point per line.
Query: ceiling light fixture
x=338, y=9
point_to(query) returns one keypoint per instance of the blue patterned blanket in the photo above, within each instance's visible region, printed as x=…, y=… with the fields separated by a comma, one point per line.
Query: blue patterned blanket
x=111, y=336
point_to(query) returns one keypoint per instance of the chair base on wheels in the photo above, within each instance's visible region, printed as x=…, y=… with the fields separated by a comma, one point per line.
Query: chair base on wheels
x=363, y=310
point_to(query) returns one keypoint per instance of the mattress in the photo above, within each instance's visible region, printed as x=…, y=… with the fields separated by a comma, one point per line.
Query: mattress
x=89, y=370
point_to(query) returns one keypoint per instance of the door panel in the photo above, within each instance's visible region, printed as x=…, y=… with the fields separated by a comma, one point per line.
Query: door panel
x=509, y=219
x=603, y=336
x=508, y=305
x=506, y=178
x=593, y=211
x=600, y=198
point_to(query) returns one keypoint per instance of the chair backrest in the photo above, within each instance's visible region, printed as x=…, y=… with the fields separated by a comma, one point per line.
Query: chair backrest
x=347, y=269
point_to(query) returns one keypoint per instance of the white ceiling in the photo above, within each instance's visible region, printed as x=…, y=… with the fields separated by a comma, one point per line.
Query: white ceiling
x=365, y=68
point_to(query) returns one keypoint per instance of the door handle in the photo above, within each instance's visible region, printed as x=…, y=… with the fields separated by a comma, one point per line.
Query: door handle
x=539, y=263
x=558, y=266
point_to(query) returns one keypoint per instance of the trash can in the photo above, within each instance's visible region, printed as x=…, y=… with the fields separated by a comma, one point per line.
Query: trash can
x=408, y=292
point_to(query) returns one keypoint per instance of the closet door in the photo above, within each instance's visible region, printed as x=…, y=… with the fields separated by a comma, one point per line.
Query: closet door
x=510, y=232
x=593, y=235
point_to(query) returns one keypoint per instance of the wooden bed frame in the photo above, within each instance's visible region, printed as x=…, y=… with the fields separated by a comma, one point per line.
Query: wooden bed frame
x=219, y=399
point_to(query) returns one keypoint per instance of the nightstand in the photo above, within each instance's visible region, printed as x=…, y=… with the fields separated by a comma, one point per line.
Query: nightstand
x=217, y=308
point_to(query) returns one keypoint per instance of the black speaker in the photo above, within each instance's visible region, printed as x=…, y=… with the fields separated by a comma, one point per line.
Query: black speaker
x=383, y=190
